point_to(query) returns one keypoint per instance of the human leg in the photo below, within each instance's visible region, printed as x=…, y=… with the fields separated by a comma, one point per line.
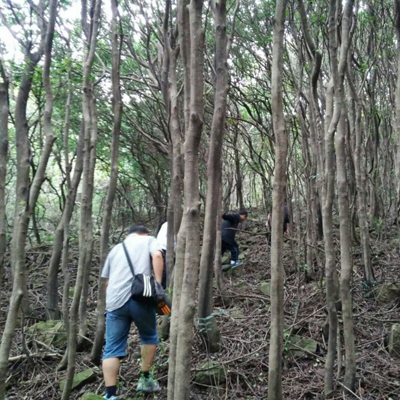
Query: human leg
x=234, y=249
x=224, y=247
x=117, y=329
x=110, y=371
x=145, y=320
x=148, y=354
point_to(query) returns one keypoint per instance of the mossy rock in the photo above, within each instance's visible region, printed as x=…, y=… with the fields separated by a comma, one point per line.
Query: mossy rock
x=243, y=287
x=210, y=373
x=395, y=242
x=91, y=396
x=236, y=313
x=297, y=346
x=50, y=332
x=225, y=260
x=235, y=272
x=266, y=288
x=388, y=292
x=241, y=256
x=81, y=379
x=394, y=341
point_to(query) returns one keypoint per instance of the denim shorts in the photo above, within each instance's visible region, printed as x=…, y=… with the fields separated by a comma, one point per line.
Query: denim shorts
x=118, y=323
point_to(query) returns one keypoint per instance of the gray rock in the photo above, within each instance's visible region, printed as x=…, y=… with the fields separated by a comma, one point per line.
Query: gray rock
x=91, y=396
x=394, y=340
x=50, y=332
x=80, y=379
x=297, y=346
x=266, y=288
x=388, y=292
x=210, y=373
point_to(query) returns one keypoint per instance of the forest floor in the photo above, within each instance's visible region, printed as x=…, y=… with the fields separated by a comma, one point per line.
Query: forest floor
x=245, y=326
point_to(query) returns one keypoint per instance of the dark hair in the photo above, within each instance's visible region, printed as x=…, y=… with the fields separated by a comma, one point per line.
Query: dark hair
x=138, y=229
x=243, y=212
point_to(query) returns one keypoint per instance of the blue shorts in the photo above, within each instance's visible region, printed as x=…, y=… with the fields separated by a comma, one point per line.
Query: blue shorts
x=118, y=323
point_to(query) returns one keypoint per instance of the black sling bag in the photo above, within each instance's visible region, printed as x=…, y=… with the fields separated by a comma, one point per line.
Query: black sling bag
x=145, y=289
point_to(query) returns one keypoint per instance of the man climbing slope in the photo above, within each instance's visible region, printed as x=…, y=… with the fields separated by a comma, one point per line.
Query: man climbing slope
x=229, y=229
x=122, y=310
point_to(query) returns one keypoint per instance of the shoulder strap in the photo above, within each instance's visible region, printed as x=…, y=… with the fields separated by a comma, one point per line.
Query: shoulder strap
x=128, y=258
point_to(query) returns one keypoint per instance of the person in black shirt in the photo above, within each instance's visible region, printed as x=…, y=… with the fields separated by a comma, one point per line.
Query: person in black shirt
x=229, y=229
x=286, y=221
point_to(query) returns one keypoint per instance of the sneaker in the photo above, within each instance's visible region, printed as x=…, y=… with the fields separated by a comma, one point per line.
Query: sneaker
x=111, y=398
x=236, y=264
x=147, y=385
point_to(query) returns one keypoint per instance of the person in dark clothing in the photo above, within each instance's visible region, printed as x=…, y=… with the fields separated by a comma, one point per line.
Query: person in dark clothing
x=229, y=228
x=286, y=221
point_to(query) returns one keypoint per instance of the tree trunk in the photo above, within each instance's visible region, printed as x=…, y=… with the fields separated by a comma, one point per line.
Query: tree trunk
x=397, y=95
x=278, y=194
x=85, y=229
x=105, y=229
x=58, y=247
x=192, y=204
x=4, y=107
x=214, y=171
x=239, y=181
x=26, y=198
x=87, y=194
x=176, y=300
x=342, y=183
x=361, y=182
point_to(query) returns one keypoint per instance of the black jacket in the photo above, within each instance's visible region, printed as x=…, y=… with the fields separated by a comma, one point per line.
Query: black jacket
x=229, y=225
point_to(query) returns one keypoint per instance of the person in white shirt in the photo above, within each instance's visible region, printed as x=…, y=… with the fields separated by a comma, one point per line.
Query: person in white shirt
x=122, y=310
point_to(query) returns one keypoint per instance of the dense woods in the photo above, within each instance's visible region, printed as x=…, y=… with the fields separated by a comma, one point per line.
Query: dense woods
x=139, y=112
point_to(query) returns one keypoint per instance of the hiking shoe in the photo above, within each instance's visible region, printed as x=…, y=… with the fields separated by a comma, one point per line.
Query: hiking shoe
x=111, y=398
x=147, y=385
x=236, y=264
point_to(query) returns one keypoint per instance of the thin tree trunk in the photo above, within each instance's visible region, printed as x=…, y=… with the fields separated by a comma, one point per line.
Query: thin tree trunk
x=105, y=229
x=214, y=171
x=58, y=248
x=239, y=181
x=24, y=210
x=85, y=229
x=396, y=4
x=278, y=195
x=342, y=182
x=4, y=107
x=361, y=182
x=176, y=300
x=88, y=189
x=192, y=204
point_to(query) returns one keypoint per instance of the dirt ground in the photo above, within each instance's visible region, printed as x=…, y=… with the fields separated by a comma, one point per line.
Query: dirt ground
x=244, y=324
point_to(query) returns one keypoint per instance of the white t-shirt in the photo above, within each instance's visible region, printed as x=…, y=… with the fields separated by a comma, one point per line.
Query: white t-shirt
x=162, y=236
x=116, y=268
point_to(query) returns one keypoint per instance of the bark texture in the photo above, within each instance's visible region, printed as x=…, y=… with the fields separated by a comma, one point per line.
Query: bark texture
x=191, y=204
x=214, y=171
x=4, y=108
x=278, y=197
x=85, y=228
x=27, y=194
x=112, y=187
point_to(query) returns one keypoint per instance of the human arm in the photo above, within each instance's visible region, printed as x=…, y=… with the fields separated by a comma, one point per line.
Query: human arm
x=158, y=265
x=234, y=218
x=268, y=221
x=287, y=232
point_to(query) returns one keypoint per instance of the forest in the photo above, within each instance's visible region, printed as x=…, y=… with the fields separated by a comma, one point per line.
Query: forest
x=117, y=113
